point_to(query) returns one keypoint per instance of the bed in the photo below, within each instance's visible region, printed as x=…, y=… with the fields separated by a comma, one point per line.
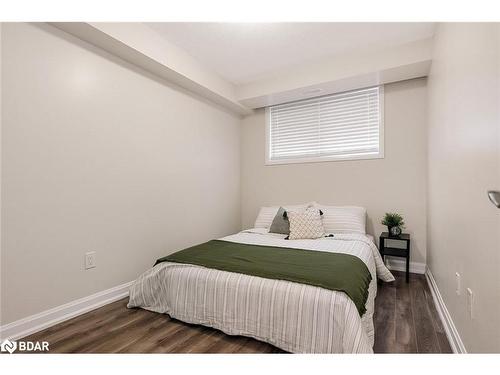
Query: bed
x=293, y=316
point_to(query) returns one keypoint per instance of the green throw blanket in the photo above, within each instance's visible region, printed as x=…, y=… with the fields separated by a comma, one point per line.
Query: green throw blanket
x=334, y=271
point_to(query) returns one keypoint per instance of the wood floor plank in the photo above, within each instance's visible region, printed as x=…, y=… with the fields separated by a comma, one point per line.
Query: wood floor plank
x=200, y=343
x=84, y=340
x=405, y=320
x=170, y=343
x=427, y=341
x=228, y=344
x=254, y=346
x=121, y=336
x=385, y=319
x=80, y=323
x=444, y=344
x=150, y=339
x=405, y=339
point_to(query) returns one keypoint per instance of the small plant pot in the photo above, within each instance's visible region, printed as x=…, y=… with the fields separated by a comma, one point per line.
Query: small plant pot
x=394, y=231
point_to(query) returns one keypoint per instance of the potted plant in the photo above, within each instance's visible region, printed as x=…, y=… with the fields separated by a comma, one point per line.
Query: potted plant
x=394, y=222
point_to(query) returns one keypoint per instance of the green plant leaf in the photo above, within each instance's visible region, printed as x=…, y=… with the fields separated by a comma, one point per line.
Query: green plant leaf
x=393, y=219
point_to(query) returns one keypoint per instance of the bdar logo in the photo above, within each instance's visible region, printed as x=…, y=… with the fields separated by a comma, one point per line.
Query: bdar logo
x=8, y=346
x=24, y=346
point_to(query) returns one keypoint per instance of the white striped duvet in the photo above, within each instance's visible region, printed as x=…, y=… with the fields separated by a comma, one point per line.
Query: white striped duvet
x=295, y=317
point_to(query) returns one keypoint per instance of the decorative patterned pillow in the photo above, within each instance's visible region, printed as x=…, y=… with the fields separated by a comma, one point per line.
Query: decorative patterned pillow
x=305, y=224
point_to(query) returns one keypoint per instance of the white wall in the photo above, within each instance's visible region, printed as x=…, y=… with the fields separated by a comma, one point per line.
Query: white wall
x=464, y=162
x=395, y=183
x=97, y=155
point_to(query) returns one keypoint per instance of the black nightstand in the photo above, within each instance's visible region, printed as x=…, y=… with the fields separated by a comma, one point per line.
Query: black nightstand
x=396, y=251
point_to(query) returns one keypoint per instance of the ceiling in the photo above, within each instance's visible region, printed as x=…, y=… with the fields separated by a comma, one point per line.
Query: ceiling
x=245, y=52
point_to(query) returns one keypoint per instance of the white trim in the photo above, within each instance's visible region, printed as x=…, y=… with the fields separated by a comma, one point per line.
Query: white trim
x=45, y=319
x=381, y=127
x=451, y=331
x=268, y=136
x=396, y=264
x=322, y=159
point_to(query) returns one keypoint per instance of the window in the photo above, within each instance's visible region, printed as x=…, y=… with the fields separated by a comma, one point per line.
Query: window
x=341, y=126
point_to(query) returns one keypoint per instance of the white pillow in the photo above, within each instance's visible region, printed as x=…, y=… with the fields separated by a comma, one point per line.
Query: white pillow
x=343, y=219
x=267, y=214
x=305, y=224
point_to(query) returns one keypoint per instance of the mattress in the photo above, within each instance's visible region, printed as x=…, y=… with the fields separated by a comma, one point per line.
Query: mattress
x=295, y=317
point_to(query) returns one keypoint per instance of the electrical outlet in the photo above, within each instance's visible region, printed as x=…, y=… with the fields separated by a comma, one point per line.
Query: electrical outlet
x=90, y=260
x=470, y=303
x=457, y=283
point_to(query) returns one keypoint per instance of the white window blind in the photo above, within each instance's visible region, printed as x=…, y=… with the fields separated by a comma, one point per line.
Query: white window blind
x=340, y=126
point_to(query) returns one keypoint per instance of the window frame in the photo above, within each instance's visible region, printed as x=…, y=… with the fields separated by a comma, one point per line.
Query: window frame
x=322, y=159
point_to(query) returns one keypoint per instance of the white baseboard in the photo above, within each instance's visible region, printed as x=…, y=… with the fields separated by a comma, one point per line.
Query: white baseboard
x=451, y=331
x=34, y=323
x=396, y=264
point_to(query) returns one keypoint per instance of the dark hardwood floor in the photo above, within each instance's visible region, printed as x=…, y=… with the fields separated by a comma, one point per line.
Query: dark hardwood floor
x=405, y=320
